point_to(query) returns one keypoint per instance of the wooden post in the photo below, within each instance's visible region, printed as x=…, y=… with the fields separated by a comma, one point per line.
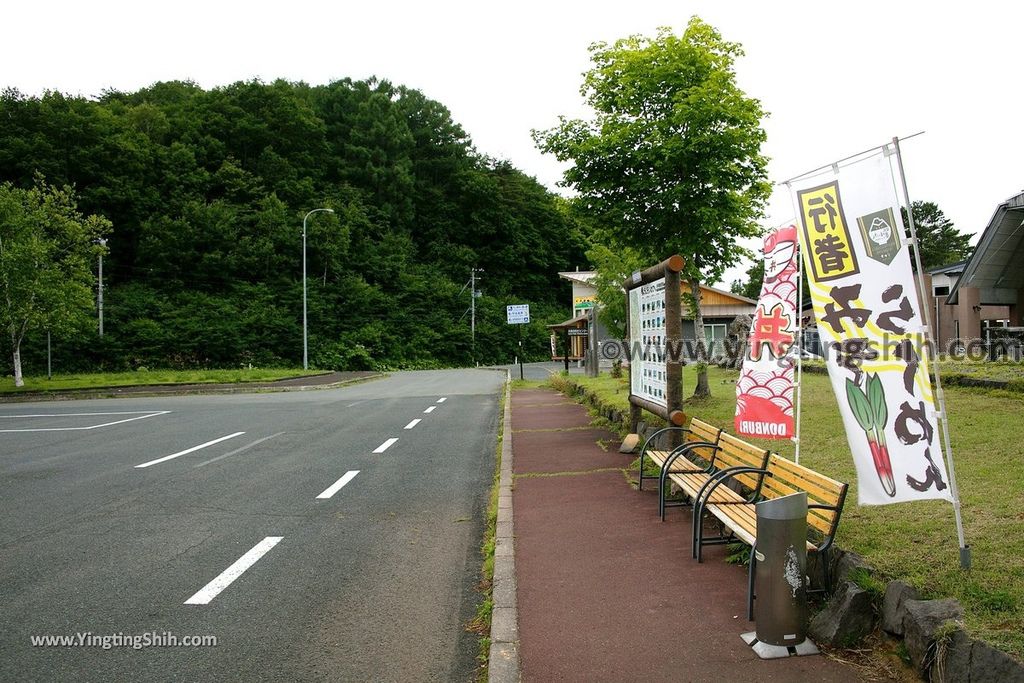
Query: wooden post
x=565, y=356
x=673, y=346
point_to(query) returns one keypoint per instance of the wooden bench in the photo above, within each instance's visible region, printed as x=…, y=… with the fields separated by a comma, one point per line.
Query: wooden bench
x=694, y=455
x=781, y=477
x=747, y=463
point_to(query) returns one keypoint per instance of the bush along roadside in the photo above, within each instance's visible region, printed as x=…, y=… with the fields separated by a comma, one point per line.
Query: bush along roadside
x=930, y=633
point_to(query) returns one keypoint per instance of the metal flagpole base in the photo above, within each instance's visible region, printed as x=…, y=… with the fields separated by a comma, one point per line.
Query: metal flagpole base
x=766, y=651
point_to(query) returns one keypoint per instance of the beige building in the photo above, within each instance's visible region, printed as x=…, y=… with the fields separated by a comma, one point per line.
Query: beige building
x=719, y=307
x=989, y=289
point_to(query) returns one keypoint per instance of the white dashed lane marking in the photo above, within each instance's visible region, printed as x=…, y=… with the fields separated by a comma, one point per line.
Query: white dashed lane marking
x=228, y=576
x=188, y=450
x=336, y=486
x=386, y=445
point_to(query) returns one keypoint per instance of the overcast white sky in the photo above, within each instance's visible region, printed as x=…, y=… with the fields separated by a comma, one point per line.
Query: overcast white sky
x=837, y=78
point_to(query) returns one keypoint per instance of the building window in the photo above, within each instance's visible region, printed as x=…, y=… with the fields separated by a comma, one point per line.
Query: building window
x=942, y=290
x=715, y=336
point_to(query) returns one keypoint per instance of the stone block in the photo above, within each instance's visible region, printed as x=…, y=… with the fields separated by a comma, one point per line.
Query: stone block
x=920, y=622
x=893, y=606
x=847, y=618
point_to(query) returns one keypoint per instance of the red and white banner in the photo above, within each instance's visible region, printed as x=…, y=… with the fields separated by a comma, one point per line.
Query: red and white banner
x=871, y=327
x=764, y=391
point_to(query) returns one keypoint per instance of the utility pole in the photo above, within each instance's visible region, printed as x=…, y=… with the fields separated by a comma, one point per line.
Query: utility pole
x=473, y=294
x=472, y=309
x=99, y=297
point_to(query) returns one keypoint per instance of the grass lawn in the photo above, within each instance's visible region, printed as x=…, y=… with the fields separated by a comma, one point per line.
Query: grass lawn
x=148, y=377
x=916, y=541
x=1002, y=371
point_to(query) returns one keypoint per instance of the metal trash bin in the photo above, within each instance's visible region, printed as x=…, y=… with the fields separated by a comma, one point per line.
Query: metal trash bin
x=779, y=573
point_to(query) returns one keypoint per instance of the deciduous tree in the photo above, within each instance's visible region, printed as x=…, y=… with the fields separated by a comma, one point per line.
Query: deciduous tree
x=672, y=157
x=46, y=249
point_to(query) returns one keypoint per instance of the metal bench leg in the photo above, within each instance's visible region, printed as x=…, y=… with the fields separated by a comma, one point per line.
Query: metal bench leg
x=698, y=512
x=826, y=574
x=699, y=546
x=661, y=493
x=751, y=572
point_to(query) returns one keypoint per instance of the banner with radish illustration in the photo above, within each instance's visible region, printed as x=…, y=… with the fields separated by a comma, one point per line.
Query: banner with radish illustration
x=871, y=327
x=764, y=391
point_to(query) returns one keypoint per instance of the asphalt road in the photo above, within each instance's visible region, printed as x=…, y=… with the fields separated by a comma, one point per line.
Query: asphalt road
x=375, y=582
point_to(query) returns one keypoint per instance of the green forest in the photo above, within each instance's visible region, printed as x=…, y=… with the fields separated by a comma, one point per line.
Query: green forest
x=206, y=191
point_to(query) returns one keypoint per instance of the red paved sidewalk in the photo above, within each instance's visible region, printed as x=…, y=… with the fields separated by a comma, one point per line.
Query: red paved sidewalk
x=607, y=592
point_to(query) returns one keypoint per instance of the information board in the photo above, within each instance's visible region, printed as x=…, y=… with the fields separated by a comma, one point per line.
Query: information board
x=647, y=342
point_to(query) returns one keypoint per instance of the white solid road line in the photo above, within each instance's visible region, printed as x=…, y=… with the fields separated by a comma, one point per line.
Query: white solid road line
x=386, y=445
x=227, y=577
x=336, y=486
x=442, y=399
x=413, y=423
x=430, y=409
x=188, y=450
x=239, y=450
x=149, y=413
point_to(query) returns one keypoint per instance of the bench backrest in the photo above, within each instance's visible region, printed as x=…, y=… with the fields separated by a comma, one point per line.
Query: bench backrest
x=787, y=477
x=702, y=431
x=734, y=452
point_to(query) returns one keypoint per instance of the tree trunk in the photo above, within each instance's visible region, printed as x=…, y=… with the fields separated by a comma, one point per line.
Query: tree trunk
x=19, y=381
x=702, y=389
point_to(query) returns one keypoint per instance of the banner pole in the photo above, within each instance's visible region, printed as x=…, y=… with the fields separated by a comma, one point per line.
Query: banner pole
x=800, y=333
x=940, y=398
x=799, y=348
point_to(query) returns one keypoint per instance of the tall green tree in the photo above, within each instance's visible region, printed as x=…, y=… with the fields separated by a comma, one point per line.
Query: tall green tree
x=751, y=288
x=941, y=242
x=672, y=157
x=46, y=249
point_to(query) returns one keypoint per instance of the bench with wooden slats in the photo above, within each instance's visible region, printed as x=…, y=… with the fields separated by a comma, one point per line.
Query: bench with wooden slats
x=732, y=454
x=825, y=498
x=695, y=454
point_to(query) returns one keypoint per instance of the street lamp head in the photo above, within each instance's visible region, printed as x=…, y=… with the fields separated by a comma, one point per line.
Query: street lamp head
x=310, y=213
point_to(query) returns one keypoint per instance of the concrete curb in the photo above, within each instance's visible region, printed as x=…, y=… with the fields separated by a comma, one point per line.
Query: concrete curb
x=503, y=659
x=151, y=392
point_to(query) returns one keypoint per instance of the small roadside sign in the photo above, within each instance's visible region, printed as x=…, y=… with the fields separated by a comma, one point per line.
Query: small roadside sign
x=578, y=332
x=518, y=314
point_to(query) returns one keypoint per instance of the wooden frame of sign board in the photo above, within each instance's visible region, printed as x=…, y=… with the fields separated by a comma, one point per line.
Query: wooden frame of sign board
x=669, y=405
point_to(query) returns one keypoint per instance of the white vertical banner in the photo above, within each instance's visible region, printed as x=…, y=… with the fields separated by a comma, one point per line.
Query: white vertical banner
x=869, y=320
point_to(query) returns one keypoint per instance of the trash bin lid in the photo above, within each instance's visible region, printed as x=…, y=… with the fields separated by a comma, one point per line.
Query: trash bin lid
x=793, y=506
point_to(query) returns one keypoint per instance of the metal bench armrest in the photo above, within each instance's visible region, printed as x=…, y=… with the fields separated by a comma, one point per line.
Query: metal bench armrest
x=684, y=430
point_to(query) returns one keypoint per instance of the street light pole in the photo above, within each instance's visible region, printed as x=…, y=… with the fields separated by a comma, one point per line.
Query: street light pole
x=305, y=328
